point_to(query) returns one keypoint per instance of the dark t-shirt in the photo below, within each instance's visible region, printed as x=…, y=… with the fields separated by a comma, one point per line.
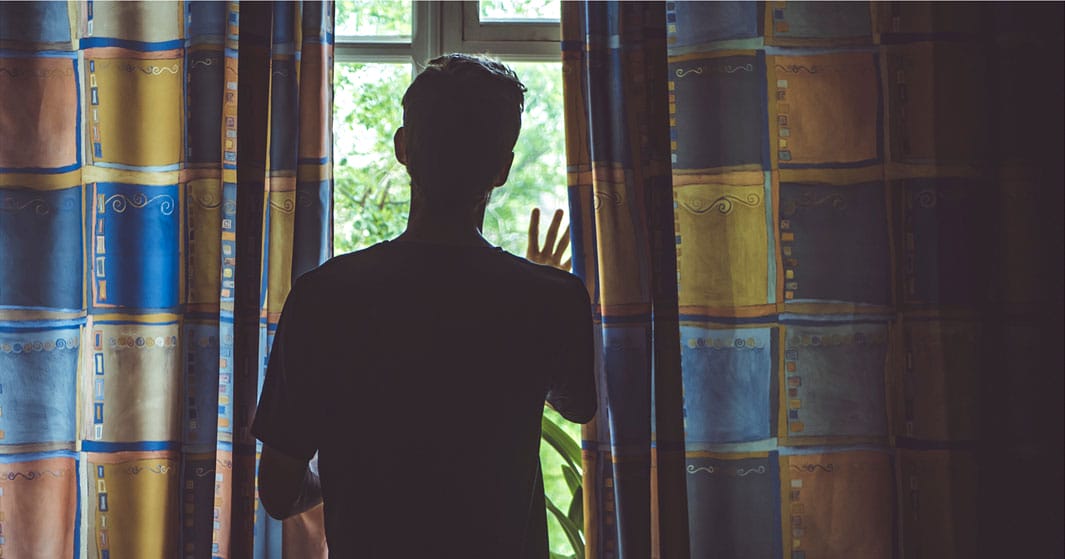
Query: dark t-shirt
x=418, y=372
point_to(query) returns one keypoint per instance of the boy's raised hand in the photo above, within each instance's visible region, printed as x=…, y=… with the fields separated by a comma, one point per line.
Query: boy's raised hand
x=551, y=255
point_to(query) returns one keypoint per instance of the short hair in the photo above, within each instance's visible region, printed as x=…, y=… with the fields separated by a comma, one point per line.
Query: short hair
x=461, y=118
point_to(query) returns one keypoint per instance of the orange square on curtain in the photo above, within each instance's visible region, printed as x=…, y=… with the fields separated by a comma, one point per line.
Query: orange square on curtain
x=39, y=498
x=837, y=505
x=828, y=108
x=38, y=113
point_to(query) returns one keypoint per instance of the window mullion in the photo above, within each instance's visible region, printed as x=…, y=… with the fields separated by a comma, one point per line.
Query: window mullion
x=373, y=52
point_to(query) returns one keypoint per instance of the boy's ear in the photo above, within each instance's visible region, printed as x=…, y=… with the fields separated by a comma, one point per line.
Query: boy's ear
x=504, y=171
x=399, y=144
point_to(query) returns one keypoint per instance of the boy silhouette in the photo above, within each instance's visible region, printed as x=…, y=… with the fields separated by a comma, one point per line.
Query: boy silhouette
x=418, y=368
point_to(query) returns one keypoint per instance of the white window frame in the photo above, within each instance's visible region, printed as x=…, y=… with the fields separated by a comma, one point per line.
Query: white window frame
x=440, y=27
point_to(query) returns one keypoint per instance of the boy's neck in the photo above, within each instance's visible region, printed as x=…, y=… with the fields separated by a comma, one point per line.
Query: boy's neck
x=433, y=224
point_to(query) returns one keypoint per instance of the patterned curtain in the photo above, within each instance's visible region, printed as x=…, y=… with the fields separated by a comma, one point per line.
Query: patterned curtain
x=165, y=173
x=825, y=242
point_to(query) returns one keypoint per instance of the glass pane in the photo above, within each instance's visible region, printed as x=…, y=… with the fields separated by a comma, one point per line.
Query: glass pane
x=387, y=18
x=538, y=176
x=371, y=193
x=511, y=10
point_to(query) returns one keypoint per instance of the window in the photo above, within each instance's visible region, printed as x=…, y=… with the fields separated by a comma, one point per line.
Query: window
x=380, y=45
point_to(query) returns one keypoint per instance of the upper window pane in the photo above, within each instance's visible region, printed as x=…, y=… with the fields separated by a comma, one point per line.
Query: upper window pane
x=373, y=18
x=517, y=10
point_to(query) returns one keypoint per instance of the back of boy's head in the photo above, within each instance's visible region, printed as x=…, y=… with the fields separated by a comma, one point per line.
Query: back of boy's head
x=461, y=119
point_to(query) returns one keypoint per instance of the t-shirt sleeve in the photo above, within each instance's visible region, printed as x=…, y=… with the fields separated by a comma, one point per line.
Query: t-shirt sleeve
x=285, y=419
x=571, y=386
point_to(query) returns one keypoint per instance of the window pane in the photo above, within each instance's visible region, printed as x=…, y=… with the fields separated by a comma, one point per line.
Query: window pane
x=387, y=18
x=511, y=10
x=538, y=176
x=371, y=193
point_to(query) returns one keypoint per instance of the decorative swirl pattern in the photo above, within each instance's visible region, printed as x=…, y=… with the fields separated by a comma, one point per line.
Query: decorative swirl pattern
x=161, y=469
x=47, y=345
x=208, y=61
x=31, y=475
x=202, y=471
x=811, y=468
x=119, y=202
x=286, y=206
x=150, y=70
x=723, y=204
x=207, y=200
x=927, y=198
x=40, y=206
x=730, y=69
x=796, y=68
x=698, y=70
x=807, y=200
x=693, y=469
x=726, y=343
x=756, y=470
x=601, y=197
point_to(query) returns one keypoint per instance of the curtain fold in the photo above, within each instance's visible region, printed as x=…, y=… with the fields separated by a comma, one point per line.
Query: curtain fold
x=825, y=245
x=165, y=172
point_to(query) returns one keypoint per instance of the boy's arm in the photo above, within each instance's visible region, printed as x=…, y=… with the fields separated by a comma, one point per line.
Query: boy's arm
x=287, y=485
x=571, y=391
x=286, y=417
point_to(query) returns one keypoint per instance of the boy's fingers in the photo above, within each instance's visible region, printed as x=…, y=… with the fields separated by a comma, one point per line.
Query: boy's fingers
x=552, y=232
x=563, y=244
x=566, y=265
x=534, y=234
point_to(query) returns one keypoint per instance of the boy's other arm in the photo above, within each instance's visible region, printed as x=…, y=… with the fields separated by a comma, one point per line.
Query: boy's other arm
x=286, y=420
x=571, y=389
x=287, y=485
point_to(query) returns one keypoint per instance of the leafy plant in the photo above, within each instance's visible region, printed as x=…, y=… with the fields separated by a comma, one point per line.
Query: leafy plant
x=571, y=520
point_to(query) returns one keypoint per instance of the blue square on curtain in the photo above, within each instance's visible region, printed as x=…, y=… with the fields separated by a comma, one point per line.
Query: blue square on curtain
x=201, y=383
x=136, y=231
x=627, y=360
x=34, y=22
x=945, y=224
x=204, y=90
x=41, y=247
x=719, y=111
x=284, y=115
x=734, y=506
x=835, y=379
x=727, y=376
x=704, y=22
x=38, y=372
x=207, y=21
x=834, y=241
x=825, y=22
